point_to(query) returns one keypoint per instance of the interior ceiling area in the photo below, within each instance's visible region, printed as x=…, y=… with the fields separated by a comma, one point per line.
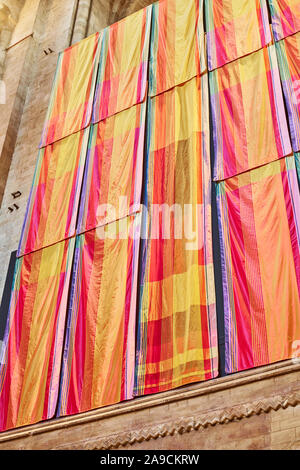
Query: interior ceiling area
x=9, y=12
x=118, y=9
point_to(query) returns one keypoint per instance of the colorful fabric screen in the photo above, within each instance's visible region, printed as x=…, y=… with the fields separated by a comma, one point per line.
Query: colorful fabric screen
x=32, y=353
x=249, y=123
x=114, y=170
x=297, y=162
x=235, y=28
x=288, y=53
x=53, y=204
x=285, y=17
x=71, y=100
x=122, y=75
x=98, y=366
x=177, y=337
x=177, y=51
x=259, y=225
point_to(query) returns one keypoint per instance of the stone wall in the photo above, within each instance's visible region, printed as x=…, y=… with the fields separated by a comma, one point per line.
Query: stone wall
x=257, y=409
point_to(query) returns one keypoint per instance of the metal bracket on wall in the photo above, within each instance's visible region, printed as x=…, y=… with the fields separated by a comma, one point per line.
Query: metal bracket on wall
x=48, y=51
x=16, y=195
x=14, y=207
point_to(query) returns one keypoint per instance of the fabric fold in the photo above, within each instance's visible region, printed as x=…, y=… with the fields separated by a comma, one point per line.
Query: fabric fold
x=285, y=15
x=31, y=357
x=71, y=100
x=53, y=204
x=99, y=352
x=288, y=53
x=297, y=162
x=177, y=49
x=123, y=65
x=259, y=224
x=114, y=169
x=248, y=115
x=235, y=28
x=177, y=335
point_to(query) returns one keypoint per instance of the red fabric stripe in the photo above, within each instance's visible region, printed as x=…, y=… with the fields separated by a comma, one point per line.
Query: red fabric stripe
x=240, y=287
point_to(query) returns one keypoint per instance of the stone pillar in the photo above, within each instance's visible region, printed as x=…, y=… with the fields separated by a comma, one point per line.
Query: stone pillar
x=9, y=14
x=6, y=28
x=81, y=20
x=14, y=7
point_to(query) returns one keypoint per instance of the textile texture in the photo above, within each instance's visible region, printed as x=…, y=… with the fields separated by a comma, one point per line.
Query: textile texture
x=98, y=365
x=123, y=66
x=52, y=208
x=71, y=100
x=288, y=53
x=177, y=50
x=177, y=337
x=285, y=16
x=235, y=28
x=249, y=123
x=33, y=343
x=297, y=162
x=259, y=232
x=114, y=169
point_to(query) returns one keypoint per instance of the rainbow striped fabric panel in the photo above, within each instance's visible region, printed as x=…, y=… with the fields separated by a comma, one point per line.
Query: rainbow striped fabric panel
x=71, y=100
x=177, y=50
x=114, y=170
x=123, y=66
x=288, y=53
x=235, y=28
x=177, y=336
x=54, y=200
x=99, y=354
x=33, y=344
x=285, y=17
x=259, y=224
x=249, y=123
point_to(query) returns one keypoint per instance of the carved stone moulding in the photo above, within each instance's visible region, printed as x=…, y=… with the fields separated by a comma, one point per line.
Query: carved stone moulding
x=184, y=410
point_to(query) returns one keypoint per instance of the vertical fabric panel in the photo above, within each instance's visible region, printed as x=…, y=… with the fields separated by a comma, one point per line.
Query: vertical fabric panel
x=5, y=301
x=177, y=336
x=259, y=226
x=177, y=51
x=54, y=199
x=114, y=170
x=249, y=123
x=33, y=343
x=285, y=17
x=297, y=162
x=123, y=66
x=288, y=53
x=98, y=365
x=235, y=28
x=71, y=100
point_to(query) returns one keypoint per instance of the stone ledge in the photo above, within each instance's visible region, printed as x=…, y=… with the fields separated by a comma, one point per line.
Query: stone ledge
x=189, y=424
x=218, y=401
